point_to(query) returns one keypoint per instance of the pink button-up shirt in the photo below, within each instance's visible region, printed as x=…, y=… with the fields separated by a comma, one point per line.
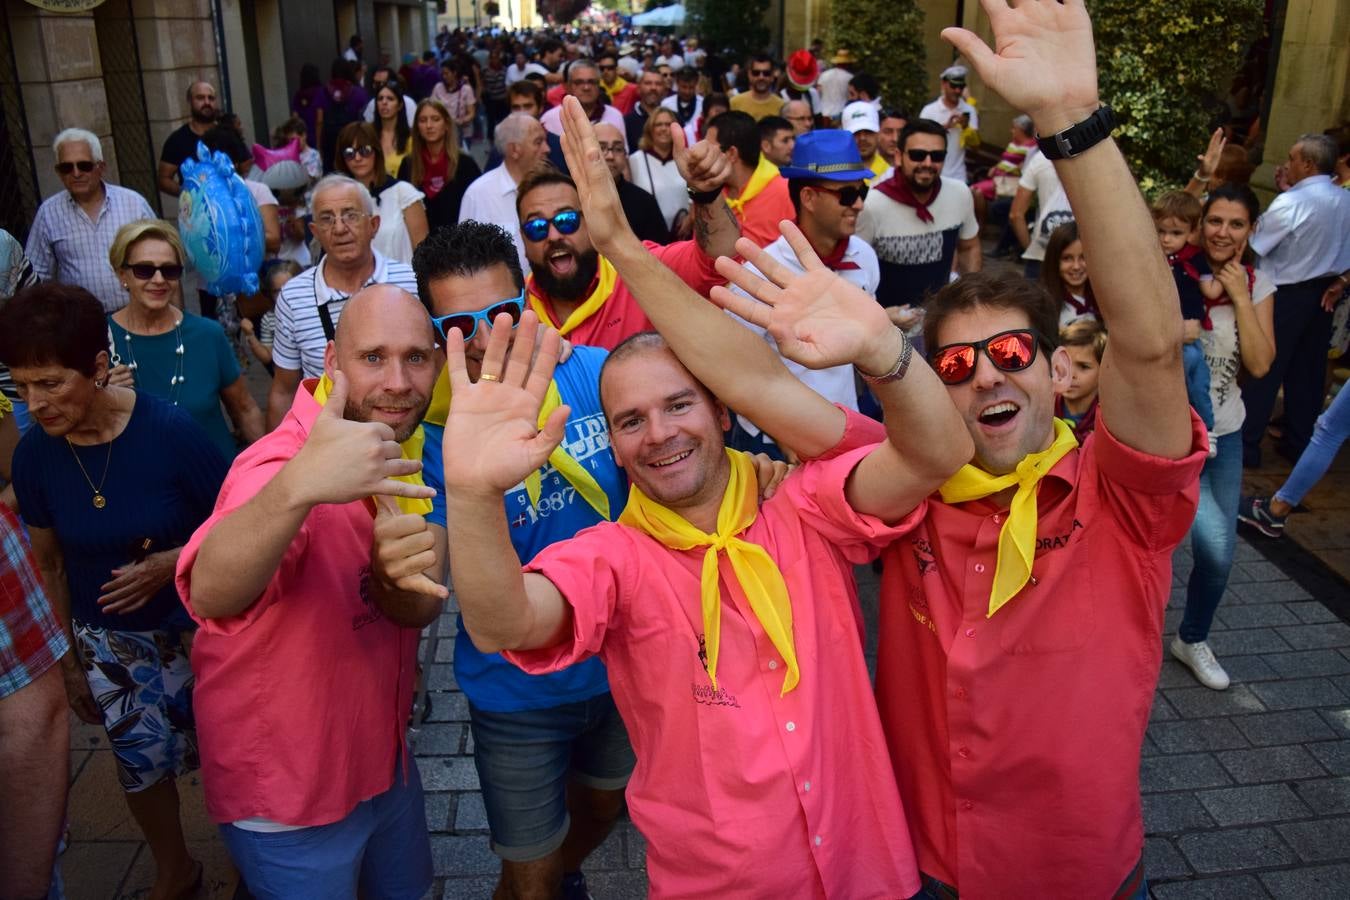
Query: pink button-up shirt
x=740, y=792
x=301, y=700
x=1016, y=738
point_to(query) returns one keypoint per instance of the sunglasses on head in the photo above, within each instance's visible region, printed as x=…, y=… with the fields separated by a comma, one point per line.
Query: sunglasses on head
x=921, y=155
x=351, y=153
x=467, y=322
x=84, y=165
x=848, y=195
x=567, y=222
x=1009, y=351
x=146, y=271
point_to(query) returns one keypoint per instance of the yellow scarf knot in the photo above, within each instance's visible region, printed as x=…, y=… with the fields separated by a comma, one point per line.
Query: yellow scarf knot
x=411, y=448
x=759, y=180
x=607, y=279
x=756, y=572
x=1017, y=539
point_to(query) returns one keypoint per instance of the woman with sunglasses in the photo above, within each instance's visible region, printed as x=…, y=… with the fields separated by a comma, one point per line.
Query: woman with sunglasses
x=1241, y=337
x=159, y=349
x=652, y=167
x=435, y=166
x=111, y=484
x=392, y=123
x=403, y=218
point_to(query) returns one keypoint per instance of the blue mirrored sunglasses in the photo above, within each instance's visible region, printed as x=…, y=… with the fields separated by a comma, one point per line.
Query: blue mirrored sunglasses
x=567, y=222
x=467, y=322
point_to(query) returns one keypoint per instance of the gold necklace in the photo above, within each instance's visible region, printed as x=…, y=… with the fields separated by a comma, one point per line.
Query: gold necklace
x=99, y=500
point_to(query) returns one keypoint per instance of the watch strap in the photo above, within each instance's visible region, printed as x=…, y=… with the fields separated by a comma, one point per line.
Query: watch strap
x=703, y=198
x=1079, y=137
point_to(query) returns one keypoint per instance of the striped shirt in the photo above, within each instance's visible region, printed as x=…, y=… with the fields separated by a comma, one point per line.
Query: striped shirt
x=299, y=340
x=65, y=246
x=31, y=639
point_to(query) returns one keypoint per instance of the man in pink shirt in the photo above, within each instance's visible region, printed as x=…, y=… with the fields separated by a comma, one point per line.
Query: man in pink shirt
x=760, y=763
x=576, y=290
x=305, y=660
x=1022, y=610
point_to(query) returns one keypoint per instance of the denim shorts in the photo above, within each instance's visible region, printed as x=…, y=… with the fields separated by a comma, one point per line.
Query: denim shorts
x=382, y=845
x=526, y=759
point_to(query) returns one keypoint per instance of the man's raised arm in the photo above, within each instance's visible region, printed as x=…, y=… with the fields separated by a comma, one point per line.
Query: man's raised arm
x=1047, y=66
x=736, y=364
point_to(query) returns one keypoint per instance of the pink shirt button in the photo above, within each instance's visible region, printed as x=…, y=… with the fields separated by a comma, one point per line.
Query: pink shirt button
x=970, y=632
x=964, y=753
x=960, y=693
x=979, y=567
x=967, y=805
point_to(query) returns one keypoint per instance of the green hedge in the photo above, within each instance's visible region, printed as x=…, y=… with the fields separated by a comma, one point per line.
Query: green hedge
x=736, y=26
x=886, y=36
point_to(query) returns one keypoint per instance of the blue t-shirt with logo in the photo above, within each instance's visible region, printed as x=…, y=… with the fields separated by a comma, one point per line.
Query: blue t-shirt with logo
x=488, y=680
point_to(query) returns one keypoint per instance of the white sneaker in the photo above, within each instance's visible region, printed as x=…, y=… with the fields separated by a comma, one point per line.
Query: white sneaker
x=1200, y=660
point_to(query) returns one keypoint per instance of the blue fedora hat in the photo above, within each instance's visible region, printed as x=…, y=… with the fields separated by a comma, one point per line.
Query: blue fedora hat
x=827, y=153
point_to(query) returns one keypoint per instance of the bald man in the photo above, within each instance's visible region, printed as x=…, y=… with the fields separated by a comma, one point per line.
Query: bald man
x=203, y=112
x=304, y=661
x=640, y=208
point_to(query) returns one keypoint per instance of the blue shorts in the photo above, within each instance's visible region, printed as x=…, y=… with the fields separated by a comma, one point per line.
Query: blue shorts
x=525, y=760
x=382, y=845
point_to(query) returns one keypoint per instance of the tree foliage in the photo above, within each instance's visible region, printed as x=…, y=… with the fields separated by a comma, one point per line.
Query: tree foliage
x=560, y=12
x=735, y=27
x=1165, y=67
x=886, y=36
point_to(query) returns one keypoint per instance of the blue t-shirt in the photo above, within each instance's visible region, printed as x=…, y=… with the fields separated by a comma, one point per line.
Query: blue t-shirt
x=163, y=477
x=209, y=366
x=488, y=680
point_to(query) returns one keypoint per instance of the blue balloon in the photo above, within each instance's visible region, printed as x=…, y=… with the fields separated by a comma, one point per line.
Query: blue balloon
x=220, y=225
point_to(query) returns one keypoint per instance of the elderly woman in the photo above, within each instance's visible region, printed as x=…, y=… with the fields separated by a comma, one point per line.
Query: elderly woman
x=111, y=484
x=653, y=169
x=159, y=349
x=403, y=218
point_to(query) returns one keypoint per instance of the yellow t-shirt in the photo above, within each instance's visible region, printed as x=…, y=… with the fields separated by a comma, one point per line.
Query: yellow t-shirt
x=747, y=103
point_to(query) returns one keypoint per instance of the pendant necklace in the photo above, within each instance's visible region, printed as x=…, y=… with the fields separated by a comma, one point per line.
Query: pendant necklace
x=99, y=500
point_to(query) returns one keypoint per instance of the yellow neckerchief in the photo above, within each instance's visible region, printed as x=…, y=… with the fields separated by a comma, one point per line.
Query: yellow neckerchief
x=6, y=408
x=574, y=472
x=759, y=179
x=619, y=84
x=606, y=279
x=755, y=570
x=1017, y=539
x=412, y=449
x=878, y=165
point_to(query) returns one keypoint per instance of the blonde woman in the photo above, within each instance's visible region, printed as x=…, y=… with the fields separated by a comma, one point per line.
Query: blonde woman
x=435, y=165
x=653, y=169
x=159, y=349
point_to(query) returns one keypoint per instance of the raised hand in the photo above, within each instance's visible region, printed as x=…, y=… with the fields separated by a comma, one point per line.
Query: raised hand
x=1043, y=61
x=1207, y=163
x=403, y=549
x=1233, y=277
x=343, y=460
x=817, y=318
x=605, y=220
x=703, y=166
x=492, y=438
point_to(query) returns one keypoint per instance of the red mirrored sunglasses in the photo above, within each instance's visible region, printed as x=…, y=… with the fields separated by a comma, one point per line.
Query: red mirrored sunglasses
x=1009, y=351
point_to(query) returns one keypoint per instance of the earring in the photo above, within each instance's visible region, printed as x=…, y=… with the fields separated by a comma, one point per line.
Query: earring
x=100, y=385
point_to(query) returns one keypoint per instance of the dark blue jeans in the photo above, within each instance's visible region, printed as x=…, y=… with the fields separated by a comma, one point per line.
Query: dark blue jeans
x=1213, y=537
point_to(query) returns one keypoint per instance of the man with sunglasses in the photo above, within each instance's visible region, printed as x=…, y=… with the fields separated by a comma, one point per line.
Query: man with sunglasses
x=918, y=221
x=761, y=100
x=623, y=94
x=1022, y=612
x=74, y=229
x=954, y=114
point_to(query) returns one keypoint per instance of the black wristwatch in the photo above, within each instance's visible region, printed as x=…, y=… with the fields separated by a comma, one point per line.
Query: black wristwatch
x=704, y=198
x=1077, y=138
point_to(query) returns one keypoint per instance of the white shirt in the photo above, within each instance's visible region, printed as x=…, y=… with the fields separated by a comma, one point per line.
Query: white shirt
x=1305, y=232
x=672, y=101
x=917, y=255
x=1224, y=357
x=491, y=198
x=552, y=121
x=812, y=97
x=300, y=340
x=940, y=112
x=515, y=73
x=833, y=85
x=836, y=383
x=409, y=107
x=663, y=181
x=393, y=239
x=1052, y=204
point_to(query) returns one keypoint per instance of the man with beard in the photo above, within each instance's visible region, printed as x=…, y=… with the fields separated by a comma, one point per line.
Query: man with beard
x=182, y=143
x=305, y=664
x=954, y=114
x=893, y=122
x=863, y=122
x=685, y=102
x=916, y=220
x=576, y=290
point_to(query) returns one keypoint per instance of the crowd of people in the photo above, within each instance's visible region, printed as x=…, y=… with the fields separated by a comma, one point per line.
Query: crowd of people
x=694, y=341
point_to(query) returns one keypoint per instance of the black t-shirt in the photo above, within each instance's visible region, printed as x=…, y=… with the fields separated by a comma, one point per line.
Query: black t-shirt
x=180, y=146
x=643, y=213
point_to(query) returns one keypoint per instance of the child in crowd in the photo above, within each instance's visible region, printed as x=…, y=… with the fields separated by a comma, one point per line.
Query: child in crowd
x=273, y=277
x=1064, y=274
x=1085, y=340
x=1176, y=216
x=290, y=130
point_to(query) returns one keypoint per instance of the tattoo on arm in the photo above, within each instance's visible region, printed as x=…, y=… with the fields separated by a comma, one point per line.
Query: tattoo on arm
x=706, y=226
x=702, y=224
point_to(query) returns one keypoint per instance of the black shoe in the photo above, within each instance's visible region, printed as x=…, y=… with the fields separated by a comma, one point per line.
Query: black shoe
x=574, y=887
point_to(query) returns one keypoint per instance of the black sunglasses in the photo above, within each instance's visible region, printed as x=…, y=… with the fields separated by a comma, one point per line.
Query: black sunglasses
x=1009, y=351
x=567, y=222
x=761, y=73
x=921, y=155
x=351, y=153
x=84, y=165
x=146, y=271
x=847, y=195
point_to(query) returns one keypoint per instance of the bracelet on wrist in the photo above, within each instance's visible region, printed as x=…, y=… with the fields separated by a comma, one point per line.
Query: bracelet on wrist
x=1196, y=175
x=703, y=198
x=896, y=371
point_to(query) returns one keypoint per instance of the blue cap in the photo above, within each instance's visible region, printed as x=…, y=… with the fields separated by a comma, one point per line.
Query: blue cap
x=829, y=154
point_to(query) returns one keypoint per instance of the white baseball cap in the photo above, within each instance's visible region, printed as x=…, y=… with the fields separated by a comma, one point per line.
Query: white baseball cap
x=861, y=115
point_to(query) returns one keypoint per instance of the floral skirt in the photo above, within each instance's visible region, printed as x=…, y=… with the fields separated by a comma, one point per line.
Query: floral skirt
x=142, y=682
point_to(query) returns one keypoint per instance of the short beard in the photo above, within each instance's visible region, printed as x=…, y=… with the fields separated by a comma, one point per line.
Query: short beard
x=196, y=117
x=916, y=188
x=572, y=288
x=354, y=413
